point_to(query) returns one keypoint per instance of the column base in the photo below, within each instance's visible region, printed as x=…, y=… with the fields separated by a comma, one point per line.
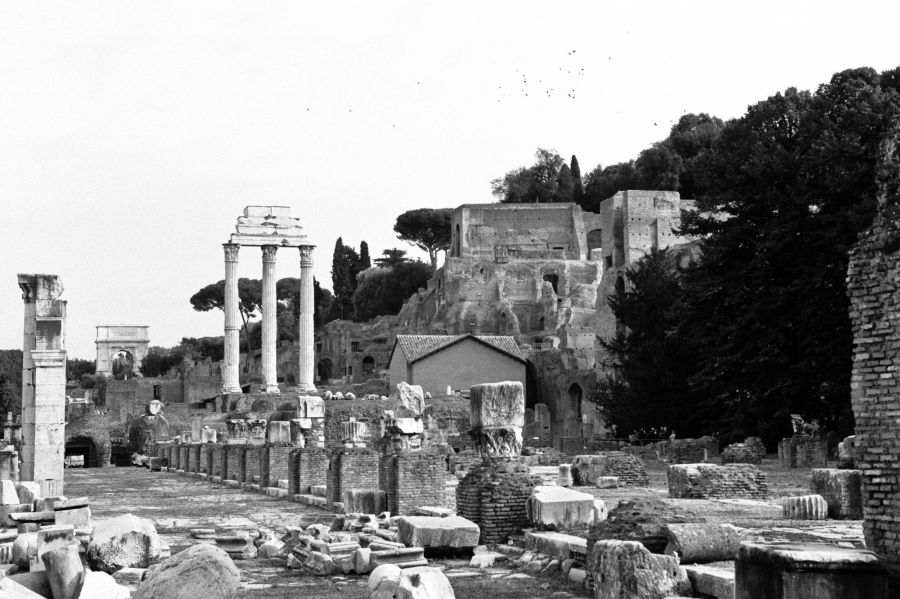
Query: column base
x=272, y=389
x=307, y=389
x=231, y=389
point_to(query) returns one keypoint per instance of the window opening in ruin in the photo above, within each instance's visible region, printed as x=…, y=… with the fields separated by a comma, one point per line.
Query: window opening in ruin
x=554, y=281
x=575, y=399
x=456, y=252
x=319, y=347
x=594, y=242
x=654, y=235
x=503, y=322
x=354, y=346
x=541, y=323
x=368, y=365
x=381, y=340
x=608, y=262
x=349, y=371
x=324, y=368
x=157, y=391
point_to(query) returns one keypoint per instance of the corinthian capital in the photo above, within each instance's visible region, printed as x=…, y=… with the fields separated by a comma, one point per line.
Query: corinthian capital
x=268, y=253
x=231, y=251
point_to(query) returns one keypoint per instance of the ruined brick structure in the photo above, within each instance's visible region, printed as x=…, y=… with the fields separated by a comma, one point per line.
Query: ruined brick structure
x=493, y=496
x=349, y=470
x=706, y=481
x=873, y=284
x=412, y=479
x=802, y=451
x=308, y=467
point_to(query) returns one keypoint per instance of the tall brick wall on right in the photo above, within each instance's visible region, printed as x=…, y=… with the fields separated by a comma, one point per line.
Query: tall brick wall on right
x=873, y=285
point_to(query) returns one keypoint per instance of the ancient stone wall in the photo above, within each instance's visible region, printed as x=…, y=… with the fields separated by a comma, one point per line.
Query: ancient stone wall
x=493, y=496
x=873, y=284
x=412, y=479
x=801, y=451
x=706, y=481
x=351, y=470
x=630, y=469
x=275, y=464
x=308, y=467
x=252, y=459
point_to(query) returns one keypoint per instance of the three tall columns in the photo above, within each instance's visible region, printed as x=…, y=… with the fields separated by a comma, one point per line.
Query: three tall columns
x=305, y=337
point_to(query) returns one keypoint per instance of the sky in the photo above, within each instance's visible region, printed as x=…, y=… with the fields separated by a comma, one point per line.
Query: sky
x=132, y=134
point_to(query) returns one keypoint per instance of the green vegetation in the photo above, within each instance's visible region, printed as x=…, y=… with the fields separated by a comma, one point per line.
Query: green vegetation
x=782, y=193
x=426, y=228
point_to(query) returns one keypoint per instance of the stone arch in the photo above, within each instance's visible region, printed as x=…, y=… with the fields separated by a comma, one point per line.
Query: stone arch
x=89, y=426
x=594, y=242
x=324, y=370
x=553, y=279
x=368, y=365
x=575, y=394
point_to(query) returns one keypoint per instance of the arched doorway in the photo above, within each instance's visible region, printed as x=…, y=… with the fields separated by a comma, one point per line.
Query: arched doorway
x=553, y=279
x=368, y=365
x=324, y=369
x=575, y=395
x=594, y=242
x=123, y=365
x=84, y=448
x=120, y=455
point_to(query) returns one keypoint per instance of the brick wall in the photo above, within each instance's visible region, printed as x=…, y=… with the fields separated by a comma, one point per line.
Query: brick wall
x=217, y=460
x=493, y=496
x=183, y=454
x=411, y=479
x=275, y=463
x=194, y=453
x=308, y=466
x=705, y=481
x=873, y=284
x=235, y=467
x=351, y=469
x=252, y=458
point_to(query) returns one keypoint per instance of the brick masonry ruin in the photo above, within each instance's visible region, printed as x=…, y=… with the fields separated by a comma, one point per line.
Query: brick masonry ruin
x=873, y=284
x=706, y=481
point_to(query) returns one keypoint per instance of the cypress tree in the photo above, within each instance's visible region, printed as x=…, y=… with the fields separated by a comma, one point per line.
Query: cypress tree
x=578, y=196
x=364, y=260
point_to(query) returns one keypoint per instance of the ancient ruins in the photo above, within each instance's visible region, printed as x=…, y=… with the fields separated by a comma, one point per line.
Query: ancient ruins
x=449, y=446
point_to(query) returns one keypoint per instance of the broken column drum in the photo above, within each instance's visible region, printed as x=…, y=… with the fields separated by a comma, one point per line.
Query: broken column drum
x=43, y=382
x=493, y=494
x=268, y=227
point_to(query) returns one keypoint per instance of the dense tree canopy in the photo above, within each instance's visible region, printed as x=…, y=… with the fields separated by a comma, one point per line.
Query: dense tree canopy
x=213, y=297
x=426, y=228
x=383, y=290
x=345, y=265
x=783, y=193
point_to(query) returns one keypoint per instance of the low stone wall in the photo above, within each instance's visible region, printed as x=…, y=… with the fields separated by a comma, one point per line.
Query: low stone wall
x=801, y=451
x=705, y=481
x=740, y=453
x=842, y=490
x=629, y=468
x=689, y=451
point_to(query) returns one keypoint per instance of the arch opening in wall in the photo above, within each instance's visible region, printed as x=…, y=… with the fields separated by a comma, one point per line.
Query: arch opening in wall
x=123, y=365
x=553, y=279
x=594, y=242
x=324, y=370
x=368, y=365
x=575, y=396
x=82, y=451
x=456, y=244
x=119, y=454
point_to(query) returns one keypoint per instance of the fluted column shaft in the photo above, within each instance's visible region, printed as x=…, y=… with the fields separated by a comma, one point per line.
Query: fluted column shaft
x=230, y=373
x=269, y=320
x=306, y=333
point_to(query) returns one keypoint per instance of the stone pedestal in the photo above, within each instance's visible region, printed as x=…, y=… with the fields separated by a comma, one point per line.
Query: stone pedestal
x=802, y=451
x=493, y=496
x=9, y=464
x=842, y=490
x=808, y=571
x=43, y=382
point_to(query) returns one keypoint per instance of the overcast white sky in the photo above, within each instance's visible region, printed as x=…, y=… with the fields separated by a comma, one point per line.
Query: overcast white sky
x=132, y=134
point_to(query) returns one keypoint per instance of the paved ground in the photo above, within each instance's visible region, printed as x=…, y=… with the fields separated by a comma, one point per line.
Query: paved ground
x=177, y=503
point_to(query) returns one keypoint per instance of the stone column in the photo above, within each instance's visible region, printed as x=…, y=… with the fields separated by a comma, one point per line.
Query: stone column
x=269, y=320
x=43, y=383
x=230, y=374
x=306, y=335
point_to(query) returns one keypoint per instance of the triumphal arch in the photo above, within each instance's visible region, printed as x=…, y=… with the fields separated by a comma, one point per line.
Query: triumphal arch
x=121, y=341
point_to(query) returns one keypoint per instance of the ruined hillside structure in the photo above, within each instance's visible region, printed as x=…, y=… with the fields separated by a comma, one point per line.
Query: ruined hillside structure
x=541, y=273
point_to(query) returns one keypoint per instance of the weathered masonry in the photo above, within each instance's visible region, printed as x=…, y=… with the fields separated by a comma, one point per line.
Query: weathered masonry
x=873, y=284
